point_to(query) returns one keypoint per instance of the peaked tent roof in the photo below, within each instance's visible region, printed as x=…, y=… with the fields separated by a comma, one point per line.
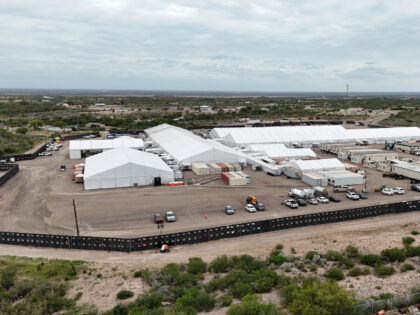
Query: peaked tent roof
x=280, y=150
x=120, y=142
x=322, y=164
x=183, y=144
x=111, y=159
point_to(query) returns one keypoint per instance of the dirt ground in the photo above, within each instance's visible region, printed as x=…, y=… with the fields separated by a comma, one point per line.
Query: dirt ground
x=39, y=199
x=369, y=235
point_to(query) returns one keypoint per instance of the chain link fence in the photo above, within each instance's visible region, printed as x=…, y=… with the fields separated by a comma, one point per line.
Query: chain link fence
x=398, y=302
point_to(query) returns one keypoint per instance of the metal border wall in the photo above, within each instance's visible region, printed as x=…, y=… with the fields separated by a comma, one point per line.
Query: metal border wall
x=11, y=169
x=203, y=235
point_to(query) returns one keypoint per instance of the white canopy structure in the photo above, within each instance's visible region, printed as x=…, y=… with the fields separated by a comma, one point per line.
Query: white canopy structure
x=280, y=151
x=307, y=136
x=186, y=147
x=305, y=166
x=76, y=147
x=124, y=167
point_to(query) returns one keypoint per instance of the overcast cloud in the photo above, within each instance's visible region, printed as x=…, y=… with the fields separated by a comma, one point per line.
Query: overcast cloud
x=268, y=45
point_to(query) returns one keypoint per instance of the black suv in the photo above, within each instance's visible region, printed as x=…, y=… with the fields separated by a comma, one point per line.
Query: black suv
x=334, y=198
x=260, y=206
x=415, y=187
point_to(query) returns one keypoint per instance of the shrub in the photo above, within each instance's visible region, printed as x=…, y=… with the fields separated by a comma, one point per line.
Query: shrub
x=99, y=275
x=407, y=267
x=277, y=259
x=385, y=296
x=313, y=268
x=352, y=251
x=8, y=276
x=315, y=297
x=414, y=232
x=246, y=263
x=264, y=280
x=22, y=130
x=370, y=260
x=310, y=255
x=150, y=300
x=137, y=274
x=346, y=262
x=251, y=304
x=124, y=294
x=394, y=254
x=196, y=266
x=335, y=274
x=225, y=300
x=332, y=255
x=383, y=271
x=408, y=240
x=279, y=247
x=412, y=251
x=219, y=264
x=197, y=298
x=356, y=271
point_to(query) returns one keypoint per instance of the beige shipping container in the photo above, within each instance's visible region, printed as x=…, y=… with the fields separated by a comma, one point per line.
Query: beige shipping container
x=200, y=169
x=237, y=167
x=230, y=167
x=217, y=168
x=237, y=180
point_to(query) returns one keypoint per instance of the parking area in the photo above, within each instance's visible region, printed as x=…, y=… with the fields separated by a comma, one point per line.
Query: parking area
x=40, y=199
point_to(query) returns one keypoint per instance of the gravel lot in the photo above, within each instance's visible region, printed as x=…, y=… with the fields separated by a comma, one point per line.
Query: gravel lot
x=39, y=199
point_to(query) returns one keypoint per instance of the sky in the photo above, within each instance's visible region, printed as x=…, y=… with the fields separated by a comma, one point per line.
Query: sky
x=212, y=45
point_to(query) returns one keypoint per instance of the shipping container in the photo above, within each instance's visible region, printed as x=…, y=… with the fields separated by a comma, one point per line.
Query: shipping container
x=200, y=169
x=215, y=168
x=223, y=167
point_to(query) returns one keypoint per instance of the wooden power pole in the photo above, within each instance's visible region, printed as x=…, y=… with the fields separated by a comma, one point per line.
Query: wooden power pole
x=75, y=218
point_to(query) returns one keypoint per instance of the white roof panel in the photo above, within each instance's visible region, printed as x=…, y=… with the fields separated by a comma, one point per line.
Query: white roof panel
x=125, y=141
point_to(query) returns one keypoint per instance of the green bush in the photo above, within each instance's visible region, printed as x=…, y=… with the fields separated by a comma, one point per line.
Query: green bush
x=370, y=260
x=264, y=280
x=197, y=298
x=124, y=294
x=394, y=254
x=246, y=263
x=137, y=274
x=196, y=266
x=8, y=276
x=150, y=300
x=385, y=296
x=407, y=241
x=310, y=255
x=332, y=255
x=276, y=258
x=414, y=232
x=220, y=264
x=352, y=251
x=383, y=271
x=412, y=251
x=335, y=274
x=315, y=297
x=251, y=305
x=22, y=130
x=407, y=267
x=279, y=247
x=225, y=300
x=356, y=271
x=346, y=262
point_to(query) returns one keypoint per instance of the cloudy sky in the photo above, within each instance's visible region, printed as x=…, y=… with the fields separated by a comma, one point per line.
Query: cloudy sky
x=253, y=45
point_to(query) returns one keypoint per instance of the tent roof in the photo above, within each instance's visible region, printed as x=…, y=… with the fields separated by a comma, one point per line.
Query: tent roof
x=183, y=144
x=280, y=150
x=111, y=159
x=321, y=164
x=120, y=142
x=314, y=134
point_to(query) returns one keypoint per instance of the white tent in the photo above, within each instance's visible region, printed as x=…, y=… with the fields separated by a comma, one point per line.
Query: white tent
x=186, y=147
x=77, y=146
x=124, y=167
x=305, y=166
x=280, y=151
x=309, y=135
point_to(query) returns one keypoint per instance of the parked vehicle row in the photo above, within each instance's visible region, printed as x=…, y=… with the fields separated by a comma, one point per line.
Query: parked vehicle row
x=169, y=217
x=393, y=191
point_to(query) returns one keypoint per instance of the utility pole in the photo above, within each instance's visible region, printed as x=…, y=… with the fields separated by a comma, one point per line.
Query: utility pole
x=347, y=90
x=75, y=217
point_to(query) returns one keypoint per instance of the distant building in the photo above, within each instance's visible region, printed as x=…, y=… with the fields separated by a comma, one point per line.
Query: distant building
x=63, y=104
x=99, y=104
x=206, y=108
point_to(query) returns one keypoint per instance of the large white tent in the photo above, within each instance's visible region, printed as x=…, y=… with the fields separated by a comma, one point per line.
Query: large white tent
x=76, y=147
x=280, y=151
x=305, y=166
x=124, y=167
x=186, y=147
x=308, y=136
